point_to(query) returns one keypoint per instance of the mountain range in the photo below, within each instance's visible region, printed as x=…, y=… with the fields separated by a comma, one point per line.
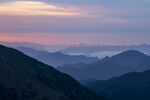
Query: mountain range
x=108, y=67
x=56, y=58
x=130, y=86
x=82, y=49
x=25, y=78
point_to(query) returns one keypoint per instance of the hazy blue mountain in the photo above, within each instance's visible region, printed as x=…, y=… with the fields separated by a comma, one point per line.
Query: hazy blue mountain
x=24, y=78
x=105, y=50
x=109, y=67
x=131, y=86
x=56, y=58
x=35, y=46
x=24, y=44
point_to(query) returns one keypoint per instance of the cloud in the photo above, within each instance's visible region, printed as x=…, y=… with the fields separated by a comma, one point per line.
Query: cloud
x=40, y=17
x=32, y=8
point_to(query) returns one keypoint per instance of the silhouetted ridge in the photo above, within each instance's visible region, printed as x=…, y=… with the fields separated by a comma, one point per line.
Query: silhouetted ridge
x=130, y=86
x=24, y=78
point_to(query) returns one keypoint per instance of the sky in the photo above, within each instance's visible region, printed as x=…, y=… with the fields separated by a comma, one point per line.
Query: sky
x=110, y=22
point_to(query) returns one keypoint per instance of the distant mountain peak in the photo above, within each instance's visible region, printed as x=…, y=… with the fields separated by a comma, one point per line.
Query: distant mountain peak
x=130, y=53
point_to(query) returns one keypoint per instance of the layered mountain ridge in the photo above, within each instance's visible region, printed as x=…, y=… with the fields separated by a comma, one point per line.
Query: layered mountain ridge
x=128, y=61
x=56, y=58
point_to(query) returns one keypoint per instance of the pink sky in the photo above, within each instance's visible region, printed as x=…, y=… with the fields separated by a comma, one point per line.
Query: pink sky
x=63, y=23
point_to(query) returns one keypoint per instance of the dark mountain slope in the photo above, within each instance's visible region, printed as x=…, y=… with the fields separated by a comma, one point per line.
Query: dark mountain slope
x=109, y=67
x=56, y=58
x=24, y=78
x=131, y=86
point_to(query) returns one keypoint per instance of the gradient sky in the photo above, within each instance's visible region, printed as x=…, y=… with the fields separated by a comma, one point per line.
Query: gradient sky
x=111, y=22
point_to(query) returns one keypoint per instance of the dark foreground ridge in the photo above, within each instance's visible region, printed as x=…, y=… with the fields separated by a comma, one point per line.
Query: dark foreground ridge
x=24, y=78
x=130, y=86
